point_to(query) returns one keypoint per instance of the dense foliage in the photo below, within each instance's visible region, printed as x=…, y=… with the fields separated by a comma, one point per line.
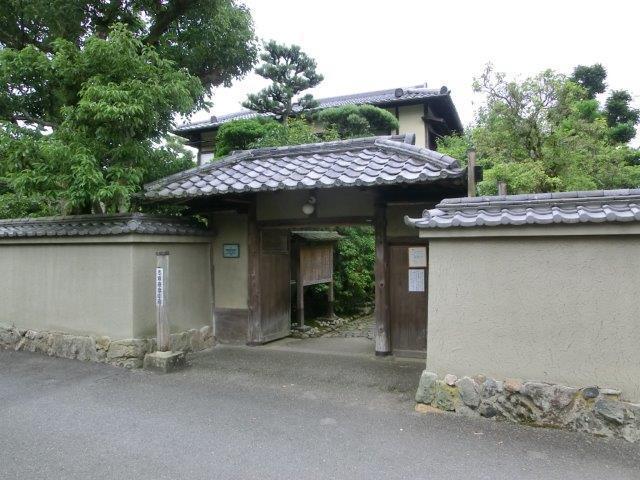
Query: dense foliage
x=336, y=123
x=354, y=274
x=267, y=132
x=357, y=120
x=547, y=133
x=291, y=71
x=241, y=134
x=354, y=281
x=88, y=92
x=212, y=39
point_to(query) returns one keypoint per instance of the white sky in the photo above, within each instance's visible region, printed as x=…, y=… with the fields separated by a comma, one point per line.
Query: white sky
x=369, y=45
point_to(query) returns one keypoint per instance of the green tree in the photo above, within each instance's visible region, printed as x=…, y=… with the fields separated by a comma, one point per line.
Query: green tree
x=354, y=274
x=86, y=102
x=296, y=132
x=266, y=132
x=358, y=120
x=621, y=117
x=290, y=71
x=242, y=134
x=591, y=78
x=213, y=39
x=545, y=133
x=101, y=145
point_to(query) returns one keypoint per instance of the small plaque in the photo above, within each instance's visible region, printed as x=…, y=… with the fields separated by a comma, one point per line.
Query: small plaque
x=230, y=250
x=159, y=287
x=416, y=280
x=417, y=257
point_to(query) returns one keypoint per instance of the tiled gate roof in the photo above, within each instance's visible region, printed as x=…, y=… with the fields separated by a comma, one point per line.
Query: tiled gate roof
x=358, y=162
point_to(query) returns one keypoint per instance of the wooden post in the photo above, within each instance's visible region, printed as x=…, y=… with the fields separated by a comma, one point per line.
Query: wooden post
x=300, y=298
x=254, y=327
x=382, y=337
x=330, y=311
x=162, y=319
x=471, y=173
x=502, y=187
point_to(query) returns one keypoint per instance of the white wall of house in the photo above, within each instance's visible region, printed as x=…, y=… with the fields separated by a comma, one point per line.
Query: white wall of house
x=410, y=121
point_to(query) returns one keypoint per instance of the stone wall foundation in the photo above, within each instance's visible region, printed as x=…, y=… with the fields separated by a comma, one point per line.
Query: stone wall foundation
x=127, y=353
x=594, y=410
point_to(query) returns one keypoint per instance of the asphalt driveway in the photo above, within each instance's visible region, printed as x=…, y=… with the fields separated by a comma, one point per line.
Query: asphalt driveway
x=267, y=413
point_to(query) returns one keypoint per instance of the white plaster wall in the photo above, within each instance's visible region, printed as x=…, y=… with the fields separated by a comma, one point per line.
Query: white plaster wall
x=563, y=310
x=189, y=287
x=410, y=121
x=102, y=285
x=231, y=274
x=73, y=288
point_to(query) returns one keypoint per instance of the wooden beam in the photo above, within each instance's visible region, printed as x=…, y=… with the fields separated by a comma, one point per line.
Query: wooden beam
x=382, y=333
x=471, y=173
x=298, y=222
x=254, y=327
x=331, y=297
x=300, y=301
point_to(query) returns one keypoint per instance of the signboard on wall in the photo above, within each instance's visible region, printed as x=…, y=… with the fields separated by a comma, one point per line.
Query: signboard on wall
x=230, y=250
x=417, y=257
x=416, y=280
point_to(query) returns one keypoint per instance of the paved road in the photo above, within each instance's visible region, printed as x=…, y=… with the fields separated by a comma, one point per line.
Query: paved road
x=241, y=413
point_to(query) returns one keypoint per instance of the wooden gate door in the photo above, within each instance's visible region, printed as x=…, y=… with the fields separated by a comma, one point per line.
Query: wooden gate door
x=275, y=288
x=408, y=299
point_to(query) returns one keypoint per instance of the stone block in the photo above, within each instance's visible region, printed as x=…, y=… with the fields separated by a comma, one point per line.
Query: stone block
x=445, y=397
x=450, y=379
x=610, y=410
x=9, y=336
x=512, y=385
x=468, y=389
x=165, y=362
x=427, y=387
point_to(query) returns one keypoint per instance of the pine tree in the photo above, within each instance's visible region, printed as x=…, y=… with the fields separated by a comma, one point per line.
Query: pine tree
x=291, y=71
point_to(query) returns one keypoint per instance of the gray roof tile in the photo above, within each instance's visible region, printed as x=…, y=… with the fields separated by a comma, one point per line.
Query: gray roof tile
x=85, y=225
x=380, y=97
x=594, y=206
x=364, y=161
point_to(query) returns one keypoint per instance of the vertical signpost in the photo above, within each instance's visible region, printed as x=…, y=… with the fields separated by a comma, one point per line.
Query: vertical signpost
x=163, y=360
x=162, y=319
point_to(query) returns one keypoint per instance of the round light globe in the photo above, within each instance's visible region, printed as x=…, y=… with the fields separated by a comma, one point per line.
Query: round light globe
x=308, y=209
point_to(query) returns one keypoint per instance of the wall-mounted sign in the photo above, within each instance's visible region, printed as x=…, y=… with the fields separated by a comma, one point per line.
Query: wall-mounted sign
x=417, y=257
x=230, y=250
x=159, y=286
x=416, y=280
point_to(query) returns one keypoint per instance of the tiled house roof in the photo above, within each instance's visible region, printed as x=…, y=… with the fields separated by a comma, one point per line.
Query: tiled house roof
x=594, y=206
x=91, y=225
x=379, y=98
x=346, y=163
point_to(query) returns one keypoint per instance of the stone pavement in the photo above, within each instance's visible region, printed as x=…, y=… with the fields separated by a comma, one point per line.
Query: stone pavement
x=268, y=413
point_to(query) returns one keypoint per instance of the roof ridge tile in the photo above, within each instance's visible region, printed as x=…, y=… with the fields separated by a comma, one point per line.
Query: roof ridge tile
x=587, y=206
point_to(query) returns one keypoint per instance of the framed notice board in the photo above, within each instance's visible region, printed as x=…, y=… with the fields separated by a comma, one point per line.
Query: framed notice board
x=230, y=250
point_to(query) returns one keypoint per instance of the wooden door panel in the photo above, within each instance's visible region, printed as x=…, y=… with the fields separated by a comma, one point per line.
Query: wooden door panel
x=275, y=291
x=407, y=310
